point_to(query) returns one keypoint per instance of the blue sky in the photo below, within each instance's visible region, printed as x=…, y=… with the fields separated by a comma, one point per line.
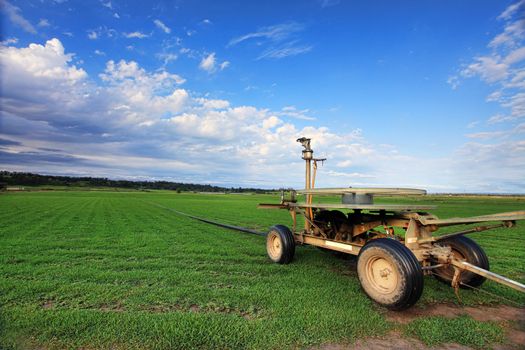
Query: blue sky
x=415, y=93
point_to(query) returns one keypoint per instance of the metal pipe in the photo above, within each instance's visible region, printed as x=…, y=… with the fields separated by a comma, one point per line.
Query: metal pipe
x=312, y=187
x=211, y=222
x=460, y=233
x=313, y=178
x=307, y=156
x=308, y=173
x=350, y=248
x=490, y=275
x=432, y=267
x=308, y=196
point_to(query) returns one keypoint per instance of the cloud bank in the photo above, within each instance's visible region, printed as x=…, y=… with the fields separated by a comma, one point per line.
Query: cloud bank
x=139, y=124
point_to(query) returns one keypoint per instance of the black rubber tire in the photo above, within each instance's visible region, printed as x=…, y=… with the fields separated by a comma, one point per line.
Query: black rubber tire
x=285, y=251
x=472, y=253
x=408, y=285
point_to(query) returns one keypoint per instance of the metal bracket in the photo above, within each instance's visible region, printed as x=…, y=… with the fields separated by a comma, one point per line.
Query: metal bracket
x=455, y=282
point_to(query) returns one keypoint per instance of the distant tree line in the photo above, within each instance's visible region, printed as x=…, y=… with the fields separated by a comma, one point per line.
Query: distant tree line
x=8, y=178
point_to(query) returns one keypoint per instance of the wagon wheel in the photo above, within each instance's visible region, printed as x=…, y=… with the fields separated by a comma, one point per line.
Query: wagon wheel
x=390, y=273
x=464, y=248
x=280, y=244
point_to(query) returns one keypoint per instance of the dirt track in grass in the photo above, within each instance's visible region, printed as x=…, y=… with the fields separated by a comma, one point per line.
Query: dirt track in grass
x=498, y=313
x=513, y=319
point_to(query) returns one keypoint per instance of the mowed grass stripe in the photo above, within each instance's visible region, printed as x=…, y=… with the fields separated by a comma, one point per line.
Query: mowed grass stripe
x=15, y=213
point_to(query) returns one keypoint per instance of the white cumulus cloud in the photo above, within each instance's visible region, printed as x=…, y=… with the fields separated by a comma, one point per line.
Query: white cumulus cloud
x=208, y=63
x=9, y=41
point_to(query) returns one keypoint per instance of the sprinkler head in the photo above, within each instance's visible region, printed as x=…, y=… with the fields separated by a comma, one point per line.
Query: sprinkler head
x=307, y=151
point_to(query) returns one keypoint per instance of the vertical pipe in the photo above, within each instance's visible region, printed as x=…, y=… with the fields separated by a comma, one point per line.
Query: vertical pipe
x=312, y=187
x=313, y=178
x=307, y=212
x=307, y=156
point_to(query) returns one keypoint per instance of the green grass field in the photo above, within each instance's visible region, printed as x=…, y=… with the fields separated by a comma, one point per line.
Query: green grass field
x=113, y=270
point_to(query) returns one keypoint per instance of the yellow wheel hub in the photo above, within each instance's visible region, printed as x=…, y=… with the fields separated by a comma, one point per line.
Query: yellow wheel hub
x=382, y=275
x=274, y=245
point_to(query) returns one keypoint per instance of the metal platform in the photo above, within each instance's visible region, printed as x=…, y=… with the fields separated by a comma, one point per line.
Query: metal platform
x=386, y=207
x=364, y=190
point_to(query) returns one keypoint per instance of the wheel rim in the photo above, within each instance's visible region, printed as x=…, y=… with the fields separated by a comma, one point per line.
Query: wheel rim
x=274, y=245
x=382, y=275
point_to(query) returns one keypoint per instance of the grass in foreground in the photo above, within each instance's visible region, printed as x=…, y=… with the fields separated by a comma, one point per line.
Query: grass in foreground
x=462, y=330
x=88, y=269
